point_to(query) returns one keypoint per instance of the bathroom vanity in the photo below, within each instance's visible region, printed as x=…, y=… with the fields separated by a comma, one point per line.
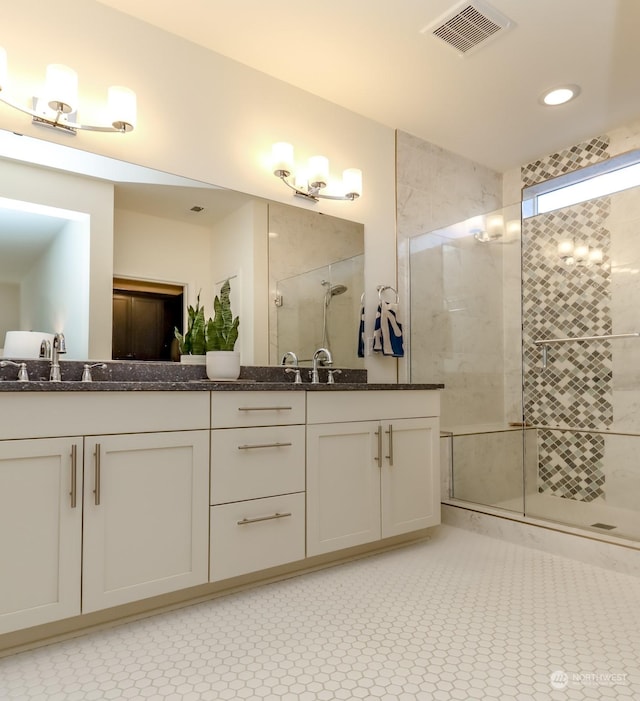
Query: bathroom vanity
x=118, y=492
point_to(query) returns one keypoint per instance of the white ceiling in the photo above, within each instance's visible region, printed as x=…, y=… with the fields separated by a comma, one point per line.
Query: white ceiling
x=370, y=57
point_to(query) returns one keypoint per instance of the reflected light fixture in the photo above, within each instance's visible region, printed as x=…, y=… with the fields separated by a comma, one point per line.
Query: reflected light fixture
x=59, y=102
x=560, y=95
x=580, y=254
x=309, y=183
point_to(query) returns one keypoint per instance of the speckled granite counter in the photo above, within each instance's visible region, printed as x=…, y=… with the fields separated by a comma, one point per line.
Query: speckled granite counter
x=120, y=376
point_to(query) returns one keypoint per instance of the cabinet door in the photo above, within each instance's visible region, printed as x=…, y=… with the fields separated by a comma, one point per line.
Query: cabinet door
x=410, y=475
x=343, y=486
x=40, y=531
x=146, y=516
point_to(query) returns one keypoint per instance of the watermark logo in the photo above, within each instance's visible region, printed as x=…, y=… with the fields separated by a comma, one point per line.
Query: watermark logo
x=559, y=679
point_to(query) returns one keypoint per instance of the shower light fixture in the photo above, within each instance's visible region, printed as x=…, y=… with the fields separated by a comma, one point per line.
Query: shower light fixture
x=58, y=104
x=310, y=183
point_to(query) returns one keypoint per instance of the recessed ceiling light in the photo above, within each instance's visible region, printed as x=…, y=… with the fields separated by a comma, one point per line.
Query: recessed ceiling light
x=558, y=96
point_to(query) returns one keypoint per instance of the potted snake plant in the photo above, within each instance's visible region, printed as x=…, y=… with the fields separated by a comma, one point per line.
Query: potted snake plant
x=192, y=344
x=221, y=334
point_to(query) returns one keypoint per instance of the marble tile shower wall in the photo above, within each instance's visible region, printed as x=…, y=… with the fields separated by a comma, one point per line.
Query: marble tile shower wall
x=449, y=338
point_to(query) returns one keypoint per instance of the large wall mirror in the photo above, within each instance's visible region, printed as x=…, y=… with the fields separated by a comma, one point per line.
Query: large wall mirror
x=72, y=222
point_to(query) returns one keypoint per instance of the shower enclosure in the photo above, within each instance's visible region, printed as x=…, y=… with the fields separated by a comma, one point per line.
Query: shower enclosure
x=320, y=308
x=540, y=355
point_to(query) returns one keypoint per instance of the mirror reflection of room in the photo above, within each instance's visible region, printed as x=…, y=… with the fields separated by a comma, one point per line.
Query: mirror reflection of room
x=151, y=243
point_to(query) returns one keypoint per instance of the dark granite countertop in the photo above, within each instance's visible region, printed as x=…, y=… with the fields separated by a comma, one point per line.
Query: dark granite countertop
x=125, y=376
x=199, y=385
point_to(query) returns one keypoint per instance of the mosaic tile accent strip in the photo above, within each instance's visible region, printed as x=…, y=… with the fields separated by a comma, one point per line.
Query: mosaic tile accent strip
x=563, y=301
x=570, y=464
x=566, y=161
x=560, y=301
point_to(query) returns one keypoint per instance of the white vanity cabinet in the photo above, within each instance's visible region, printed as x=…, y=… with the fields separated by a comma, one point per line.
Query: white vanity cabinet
x=61, y=553
x=257, y=481
x=40, y=530
x=372, y=466
x=145, y=516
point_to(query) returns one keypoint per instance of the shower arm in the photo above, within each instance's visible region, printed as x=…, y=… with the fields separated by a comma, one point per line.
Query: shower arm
x=545, y=342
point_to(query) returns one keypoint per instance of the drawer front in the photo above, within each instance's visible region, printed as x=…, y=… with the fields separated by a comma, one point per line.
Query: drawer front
x=48, y=414
x=371, y=405
x=254, y=535
x=248, y=463
x=237, y=409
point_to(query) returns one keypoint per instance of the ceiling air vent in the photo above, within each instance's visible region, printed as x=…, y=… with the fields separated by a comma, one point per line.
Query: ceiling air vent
x=468, y=26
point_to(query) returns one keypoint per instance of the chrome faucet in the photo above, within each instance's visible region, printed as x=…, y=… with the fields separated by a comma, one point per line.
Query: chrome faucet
x=58, y=347
x=324, y=356
x=289, y=355
x=297, y=379
x=45, y=349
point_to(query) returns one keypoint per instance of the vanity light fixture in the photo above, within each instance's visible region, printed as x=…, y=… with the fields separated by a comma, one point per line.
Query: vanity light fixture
x=58, y=105
x=560, y=95
x=310, y=183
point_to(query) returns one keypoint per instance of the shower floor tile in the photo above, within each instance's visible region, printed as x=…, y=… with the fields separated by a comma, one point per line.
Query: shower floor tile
x=462, y=616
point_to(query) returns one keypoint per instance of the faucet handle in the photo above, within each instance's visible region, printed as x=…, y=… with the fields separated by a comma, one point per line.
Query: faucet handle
x=330, y=376
x=297, y=377
x=86, y=373
x=23, y=375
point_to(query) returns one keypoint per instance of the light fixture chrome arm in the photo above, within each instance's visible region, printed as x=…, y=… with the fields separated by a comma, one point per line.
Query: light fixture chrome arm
x=60, y=121
x=313, y=193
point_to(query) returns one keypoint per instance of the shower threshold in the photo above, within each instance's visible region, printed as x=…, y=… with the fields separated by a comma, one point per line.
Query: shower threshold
x=576, y=518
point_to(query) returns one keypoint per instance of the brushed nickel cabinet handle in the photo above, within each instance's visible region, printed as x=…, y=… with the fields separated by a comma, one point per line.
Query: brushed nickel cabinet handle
x=390, y=456
x=378, y=457
x=264, y=408
x=96, y=491
x=245, y=521
x=74, y=476
x=263, y=445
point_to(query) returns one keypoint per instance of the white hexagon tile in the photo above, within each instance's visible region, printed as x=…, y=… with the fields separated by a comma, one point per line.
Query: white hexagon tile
x=462, y=616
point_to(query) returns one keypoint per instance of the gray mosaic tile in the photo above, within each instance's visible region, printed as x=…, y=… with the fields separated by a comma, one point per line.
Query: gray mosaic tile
x=560, y=301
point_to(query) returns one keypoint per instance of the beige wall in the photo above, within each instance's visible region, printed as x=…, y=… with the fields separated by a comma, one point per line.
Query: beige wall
x=203, y=116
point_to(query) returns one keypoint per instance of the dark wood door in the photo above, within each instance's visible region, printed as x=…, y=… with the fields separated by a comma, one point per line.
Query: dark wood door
x=143, y=325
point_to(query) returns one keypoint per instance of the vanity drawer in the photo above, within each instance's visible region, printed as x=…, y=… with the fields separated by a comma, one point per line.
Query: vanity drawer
x=237, y=409
x=248, y=463
x=371, y=405
x=253, y=535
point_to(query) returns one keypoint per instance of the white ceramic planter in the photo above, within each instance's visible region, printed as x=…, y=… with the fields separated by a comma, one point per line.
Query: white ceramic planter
x=193, y=359
x=223, y=365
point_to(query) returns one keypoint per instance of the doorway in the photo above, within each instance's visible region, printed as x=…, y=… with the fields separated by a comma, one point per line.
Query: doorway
x=145, y=315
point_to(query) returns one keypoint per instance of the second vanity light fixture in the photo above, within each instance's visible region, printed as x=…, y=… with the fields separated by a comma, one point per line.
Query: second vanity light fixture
x=309, y=184
x=58, y=105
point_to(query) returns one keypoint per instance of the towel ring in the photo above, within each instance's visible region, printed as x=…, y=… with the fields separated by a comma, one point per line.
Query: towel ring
x=383, y=288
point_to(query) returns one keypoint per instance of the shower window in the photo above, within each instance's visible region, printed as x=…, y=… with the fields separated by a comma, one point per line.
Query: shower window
x=613, y=175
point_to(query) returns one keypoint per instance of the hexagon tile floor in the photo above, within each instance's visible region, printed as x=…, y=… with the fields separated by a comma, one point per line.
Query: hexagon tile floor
x=463, y=616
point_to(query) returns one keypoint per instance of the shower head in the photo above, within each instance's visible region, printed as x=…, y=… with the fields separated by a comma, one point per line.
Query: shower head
x=337, y=290
x=332, y=291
